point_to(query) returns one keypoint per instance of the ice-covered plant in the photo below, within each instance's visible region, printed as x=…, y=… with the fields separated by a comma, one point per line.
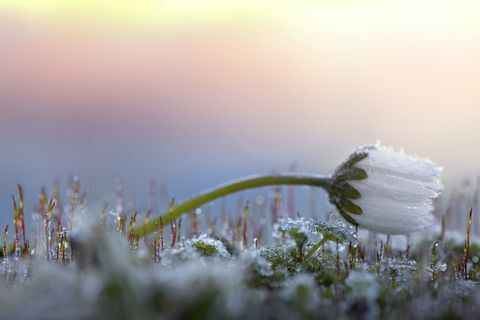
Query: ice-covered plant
x=302, y=238
x=208, y=246
x=303, y=230
x=376, y=188
x=386, y=191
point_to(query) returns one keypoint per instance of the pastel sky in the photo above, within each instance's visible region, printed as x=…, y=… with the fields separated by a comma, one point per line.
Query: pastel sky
x=196, y=92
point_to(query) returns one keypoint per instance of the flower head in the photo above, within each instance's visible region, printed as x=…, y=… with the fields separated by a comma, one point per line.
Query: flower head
x=386, y=191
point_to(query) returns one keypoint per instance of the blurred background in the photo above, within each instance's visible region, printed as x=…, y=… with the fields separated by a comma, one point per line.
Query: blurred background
x=193, y=93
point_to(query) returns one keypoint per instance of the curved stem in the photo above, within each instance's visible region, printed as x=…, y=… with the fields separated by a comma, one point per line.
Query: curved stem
x=232, y=187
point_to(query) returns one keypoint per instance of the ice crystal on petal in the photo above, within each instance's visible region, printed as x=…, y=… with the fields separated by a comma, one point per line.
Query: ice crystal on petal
x=396, y=196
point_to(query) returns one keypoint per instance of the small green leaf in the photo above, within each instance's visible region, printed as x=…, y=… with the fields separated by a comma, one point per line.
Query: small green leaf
x=347, y=217
x=347, y=191
x=344, y=213
x=350, y=206
x=352, y=161
x=205, y=248
x=355, y=158
x=351, y=174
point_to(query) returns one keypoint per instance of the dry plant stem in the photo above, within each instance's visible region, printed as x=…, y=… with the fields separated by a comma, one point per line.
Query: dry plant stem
x=48, y=216
x=233, y=187
x=15, y=222
x=245, y=225
x=467, y=245
x=433, y=261
x=161, y=233
x=179, y=230
x=5, y=236
x=21, y=213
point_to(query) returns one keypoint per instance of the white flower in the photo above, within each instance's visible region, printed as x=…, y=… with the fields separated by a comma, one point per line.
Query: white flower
x=386, y=191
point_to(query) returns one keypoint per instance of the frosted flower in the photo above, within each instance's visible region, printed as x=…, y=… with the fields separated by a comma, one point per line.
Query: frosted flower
x=377, y=188
x=386, y=191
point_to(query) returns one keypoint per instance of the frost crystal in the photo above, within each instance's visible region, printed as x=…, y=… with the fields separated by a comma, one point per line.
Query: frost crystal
x=395, y=196
x=332, y=228
x=398, y=268
x=302, y=224
x=196, y=249
x=209, y=246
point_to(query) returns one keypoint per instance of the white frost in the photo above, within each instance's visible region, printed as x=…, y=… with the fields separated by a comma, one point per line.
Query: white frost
x=397, y=195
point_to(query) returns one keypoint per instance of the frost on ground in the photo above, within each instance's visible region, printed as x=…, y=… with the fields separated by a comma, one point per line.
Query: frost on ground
x=92, y=267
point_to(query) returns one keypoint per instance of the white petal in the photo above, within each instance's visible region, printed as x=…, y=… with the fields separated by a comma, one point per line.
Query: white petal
x=397, y=194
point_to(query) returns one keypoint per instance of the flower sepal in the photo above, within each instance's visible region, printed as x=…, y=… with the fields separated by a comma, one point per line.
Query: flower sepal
x=341, y=192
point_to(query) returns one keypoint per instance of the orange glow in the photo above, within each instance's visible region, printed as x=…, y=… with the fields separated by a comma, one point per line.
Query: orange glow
x=264, y=73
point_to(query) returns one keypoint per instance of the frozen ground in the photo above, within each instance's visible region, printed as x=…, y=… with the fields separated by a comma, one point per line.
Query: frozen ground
x=82, y=262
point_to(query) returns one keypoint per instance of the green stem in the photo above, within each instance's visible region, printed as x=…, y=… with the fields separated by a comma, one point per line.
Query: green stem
x=316, y=247
x=232, y=187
